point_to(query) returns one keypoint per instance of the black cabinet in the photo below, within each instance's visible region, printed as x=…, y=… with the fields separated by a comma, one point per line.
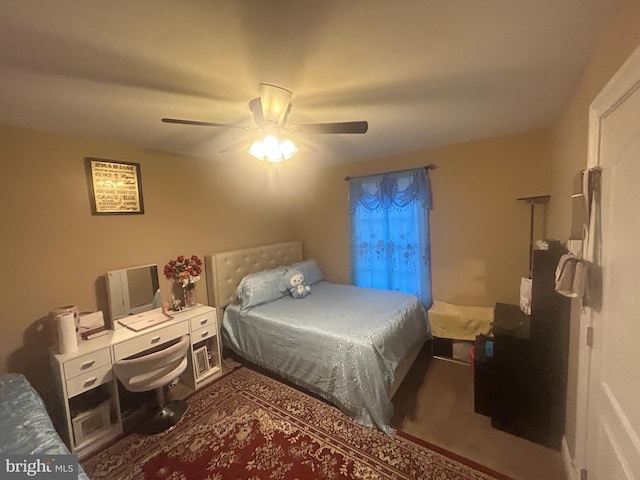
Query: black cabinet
x=529, y=367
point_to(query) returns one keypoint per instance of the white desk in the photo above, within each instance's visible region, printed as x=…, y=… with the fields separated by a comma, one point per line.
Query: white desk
x=85, y=377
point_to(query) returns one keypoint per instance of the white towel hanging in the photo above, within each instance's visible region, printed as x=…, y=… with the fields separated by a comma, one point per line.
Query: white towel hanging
x=570, y=276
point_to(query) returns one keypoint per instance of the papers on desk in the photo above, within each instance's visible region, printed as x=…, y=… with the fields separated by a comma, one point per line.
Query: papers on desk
x=145, y=320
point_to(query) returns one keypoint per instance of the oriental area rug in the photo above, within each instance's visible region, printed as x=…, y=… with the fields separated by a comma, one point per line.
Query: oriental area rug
x=249, y=426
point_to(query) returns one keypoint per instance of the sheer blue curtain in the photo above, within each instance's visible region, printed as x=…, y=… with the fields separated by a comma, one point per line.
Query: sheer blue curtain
x=390, y=246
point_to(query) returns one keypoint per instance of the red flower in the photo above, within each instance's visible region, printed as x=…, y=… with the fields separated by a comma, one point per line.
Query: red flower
x=186, y=271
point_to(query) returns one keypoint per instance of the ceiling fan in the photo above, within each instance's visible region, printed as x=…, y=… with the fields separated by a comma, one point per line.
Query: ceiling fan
x=270, y=114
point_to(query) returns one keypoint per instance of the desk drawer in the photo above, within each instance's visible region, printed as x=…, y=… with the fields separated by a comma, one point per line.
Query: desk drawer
x=89, y=380
x=203, y=333
x=204, y=320
x=86, y=363
x=143, y=342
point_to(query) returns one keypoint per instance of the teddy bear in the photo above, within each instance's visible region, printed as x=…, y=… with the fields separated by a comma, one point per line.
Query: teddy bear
x=293, y=281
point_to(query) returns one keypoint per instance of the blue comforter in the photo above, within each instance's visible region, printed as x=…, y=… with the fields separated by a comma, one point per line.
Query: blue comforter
x=341, y=342
x=25, y=426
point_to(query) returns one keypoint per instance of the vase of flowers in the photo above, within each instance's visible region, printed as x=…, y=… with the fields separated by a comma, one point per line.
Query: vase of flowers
x=186, y=273
x=189, y=293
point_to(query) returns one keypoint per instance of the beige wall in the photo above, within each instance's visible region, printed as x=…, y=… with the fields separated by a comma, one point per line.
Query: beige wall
x=479, y=231
x=570, y=131
x=569, y=154
x=56, y=253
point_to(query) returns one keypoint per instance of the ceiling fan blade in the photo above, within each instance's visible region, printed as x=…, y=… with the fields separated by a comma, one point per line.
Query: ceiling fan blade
x=334, y=127
x=275, y=103
x=256, y=110
x=306, y=147
x=235, y=147
x=204, y=124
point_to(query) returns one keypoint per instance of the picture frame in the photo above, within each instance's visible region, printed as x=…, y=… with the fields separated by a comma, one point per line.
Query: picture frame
x=201, y=360
x=88, y=425
x=115, y=187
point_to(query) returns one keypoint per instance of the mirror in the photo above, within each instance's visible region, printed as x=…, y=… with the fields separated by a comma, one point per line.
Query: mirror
x=132, y=291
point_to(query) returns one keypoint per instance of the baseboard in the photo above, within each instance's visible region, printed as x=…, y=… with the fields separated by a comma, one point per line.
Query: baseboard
x=569, y=467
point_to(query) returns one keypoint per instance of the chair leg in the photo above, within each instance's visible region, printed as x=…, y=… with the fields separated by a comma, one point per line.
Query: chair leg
x=167, y=415
x=160, y=397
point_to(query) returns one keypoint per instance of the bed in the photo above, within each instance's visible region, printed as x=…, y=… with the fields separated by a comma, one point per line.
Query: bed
x=456, y=327
x=459, y=322
x=25, y=427
x=352, y=346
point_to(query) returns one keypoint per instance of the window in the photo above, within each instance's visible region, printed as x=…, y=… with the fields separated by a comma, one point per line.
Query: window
x=390, y=232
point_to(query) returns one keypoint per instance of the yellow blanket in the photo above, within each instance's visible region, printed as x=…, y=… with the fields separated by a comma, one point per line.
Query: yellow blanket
x=459, y=322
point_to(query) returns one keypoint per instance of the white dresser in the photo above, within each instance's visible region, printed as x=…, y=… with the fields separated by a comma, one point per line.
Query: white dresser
x=88, y=388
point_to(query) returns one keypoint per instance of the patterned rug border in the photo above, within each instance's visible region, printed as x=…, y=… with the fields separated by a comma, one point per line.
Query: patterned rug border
x=406, y=436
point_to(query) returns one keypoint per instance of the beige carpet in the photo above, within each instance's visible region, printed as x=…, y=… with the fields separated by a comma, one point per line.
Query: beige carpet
x=435, y=403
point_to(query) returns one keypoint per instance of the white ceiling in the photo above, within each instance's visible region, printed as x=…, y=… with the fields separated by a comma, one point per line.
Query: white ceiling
x=423, y=73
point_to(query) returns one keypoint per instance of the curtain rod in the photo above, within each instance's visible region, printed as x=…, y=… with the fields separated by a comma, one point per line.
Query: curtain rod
x=431, y=166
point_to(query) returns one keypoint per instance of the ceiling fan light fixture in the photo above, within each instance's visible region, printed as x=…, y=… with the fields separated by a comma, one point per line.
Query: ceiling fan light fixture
x=271, y=116
x=288, y=149
x=275, y=102
x=273, y=150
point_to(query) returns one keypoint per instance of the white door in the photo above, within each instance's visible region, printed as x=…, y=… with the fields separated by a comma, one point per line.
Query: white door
x=613, y=412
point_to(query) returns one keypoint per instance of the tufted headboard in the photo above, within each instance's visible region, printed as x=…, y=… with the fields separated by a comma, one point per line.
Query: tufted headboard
x=226, y=269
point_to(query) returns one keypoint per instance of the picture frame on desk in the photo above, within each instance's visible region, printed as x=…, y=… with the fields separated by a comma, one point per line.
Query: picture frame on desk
x=201, y=360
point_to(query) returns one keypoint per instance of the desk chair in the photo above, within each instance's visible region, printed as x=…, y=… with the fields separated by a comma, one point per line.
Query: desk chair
x=154, y=371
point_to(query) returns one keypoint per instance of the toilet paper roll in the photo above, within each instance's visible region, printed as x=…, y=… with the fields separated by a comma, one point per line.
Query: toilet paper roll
x=76, y=316
x=67, y=338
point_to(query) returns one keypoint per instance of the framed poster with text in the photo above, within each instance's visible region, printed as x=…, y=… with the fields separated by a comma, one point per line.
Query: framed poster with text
x=115, y=187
